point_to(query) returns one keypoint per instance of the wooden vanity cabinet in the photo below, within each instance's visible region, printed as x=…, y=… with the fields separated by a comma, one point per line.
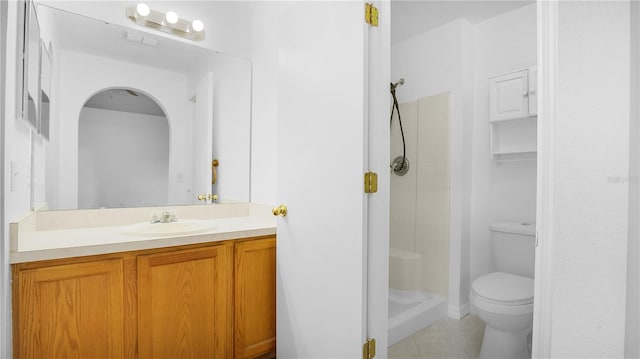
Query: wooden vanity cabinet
x=255, y=299
x=69, y=310
x=185, y=303
x=210, y=300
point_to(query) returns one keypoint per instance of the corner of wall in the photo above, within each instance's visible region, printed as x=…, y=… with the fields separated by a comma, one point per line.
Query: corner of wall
x=468, y=54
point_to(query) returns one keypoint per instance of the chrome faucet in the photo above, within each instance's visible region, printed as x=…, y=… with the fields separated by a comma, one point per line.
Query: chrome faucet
x=166, y=217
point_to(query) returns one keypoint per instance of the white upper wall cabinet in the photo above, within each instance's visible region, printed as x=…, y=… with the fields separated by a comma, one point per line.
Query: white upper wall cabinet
x=513, y=115
x=513, y=96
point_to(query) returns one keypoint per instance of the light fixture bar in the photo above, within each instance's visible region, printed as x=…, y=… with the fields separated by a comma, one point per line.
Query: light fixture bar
x=171, y=24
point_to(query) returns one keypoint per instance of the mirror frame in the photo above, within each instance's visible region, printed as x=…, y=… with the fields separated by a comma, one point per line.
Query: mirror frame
x=27, y=19
x=21, y=68
x=44, y=123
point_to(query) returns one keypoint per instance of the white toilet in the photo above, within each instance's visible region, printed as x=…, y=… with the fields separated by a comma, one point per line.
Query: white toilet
x=504, y=299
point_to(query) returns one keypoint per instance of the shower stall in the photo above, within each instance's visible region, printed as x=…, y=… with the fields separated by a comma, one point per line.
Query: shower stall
x=420, y=211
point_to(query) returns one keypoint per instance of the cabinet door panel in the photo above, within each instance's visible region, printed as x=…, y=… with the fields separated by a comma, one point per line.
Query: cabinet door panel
x=509, y=96
x=72, y=311
x=184, y=303
x=255, y=298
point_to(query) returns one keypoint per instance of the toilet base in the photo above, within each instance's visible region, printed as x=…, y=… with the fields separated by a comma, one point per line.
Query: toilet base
x=499, y=344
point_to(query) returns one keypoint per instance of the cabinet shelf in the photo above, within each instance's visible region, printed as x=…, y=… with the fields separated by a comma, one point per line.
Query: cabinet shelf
x=503, y=120
x=515, y=156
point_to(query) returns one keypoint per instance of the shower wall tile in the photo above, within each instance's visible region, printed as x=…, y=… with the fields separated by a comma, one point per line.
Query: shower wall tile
x=435, y=218
x=437, y=197
x=435, y=266
x=439, y=182
x=442, y=168
x=403, y=188
x=420, y=200
x=433, y=194
x=433, y=233
x=429, y=167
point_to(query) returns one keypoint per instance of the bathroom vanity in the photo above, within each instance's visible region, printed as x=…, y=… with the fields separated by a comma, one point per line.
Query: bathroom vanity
x=205, y=294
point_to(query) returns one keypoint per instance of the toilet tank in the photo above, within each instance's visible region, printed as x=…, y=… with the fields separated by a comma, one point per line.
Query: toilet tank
x=513, y=247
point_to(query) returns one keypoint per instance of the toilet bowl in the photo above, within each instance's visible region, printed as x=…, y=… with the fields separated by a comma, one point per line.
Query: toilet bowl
x=504, y=302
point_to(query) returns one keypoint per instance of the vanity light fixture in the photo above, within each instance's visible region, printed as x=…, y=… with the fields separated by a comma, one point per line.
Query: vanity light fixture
x=142, y=9
x=168, y=22
x=171, y=17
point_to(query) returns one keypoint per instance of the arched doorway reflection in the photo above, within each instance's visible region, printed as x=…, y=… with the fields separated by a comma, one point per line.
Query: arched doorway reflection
x=123, y=151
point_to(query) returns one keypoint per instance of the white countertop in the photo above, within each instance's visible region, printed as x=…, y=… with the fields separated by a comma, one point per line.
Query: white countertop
x=31, y=244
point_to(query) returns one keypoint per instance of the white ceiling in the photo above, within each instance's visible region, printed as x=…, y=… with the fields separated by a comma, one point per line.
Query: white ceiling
x=410, y=18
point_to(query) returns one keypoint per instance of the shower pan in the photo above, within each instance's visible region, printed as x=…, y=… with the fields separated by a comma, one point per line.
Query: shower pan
x=410, y=310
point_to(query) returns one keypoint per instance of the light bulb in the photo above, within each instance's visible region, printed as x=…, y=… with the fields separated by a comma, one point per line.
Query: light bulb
x=142, y=9
x=171, y=17
x=197, y=25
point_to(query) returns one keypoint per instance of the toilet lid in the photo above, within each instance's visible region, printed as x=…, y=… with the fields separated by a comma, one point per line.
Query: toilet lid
x=504, y=287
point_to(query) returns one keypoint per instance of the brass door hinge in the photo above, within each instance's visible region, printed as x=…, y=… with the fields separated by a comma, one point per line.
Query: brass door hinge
x=369, y=349
x=371, y=14
x=370, y=182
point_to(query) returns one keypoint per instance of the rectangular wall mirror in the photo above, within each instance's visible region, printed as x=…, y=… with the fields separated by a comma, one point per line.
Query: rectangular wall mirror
x=135, y=117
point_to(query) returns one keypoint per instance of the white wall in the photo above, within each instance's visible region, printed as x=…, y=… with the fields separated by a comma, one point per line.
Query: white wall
x=264, y=100
x=580, y=308
x=5, y=309
x=500, y=191
x=632, y=327
x=430, y=63
x=78, y=77
x=123, y=159
x=17, y=134
x=17, y=144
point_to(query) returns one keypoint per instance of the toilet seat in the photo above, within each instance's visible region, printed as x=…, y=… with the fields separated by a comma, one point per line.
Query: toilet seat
x=503, y=293
x=504, y=288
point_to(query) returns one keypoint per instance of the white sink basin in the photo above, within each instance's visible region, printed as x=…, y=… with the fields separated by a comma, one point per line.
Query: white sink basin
x=181, y=227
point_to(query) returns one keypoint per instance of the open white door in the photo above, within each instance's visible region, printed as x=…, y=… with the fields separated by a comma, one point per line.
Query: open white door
x=379, y=72
x=321, y=285
x=202, y=137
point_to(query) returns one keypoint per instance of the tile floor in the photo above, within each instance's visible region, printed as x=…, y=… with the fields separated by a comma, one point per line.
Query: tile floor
x=446, y=339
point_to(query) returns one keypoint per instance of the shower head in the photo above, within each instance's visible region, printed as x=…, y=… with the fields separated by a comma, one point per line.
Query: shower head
x=399, y=83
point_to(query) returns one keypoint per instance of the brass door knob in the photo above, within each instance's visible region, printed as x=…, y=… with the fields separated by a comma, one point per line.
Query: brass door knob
x=280, y=211
x=202, y=197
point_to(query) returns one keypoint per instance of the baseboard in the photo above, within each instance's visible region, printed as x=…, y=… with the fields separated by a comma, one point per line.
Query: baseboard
x=458, y=312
